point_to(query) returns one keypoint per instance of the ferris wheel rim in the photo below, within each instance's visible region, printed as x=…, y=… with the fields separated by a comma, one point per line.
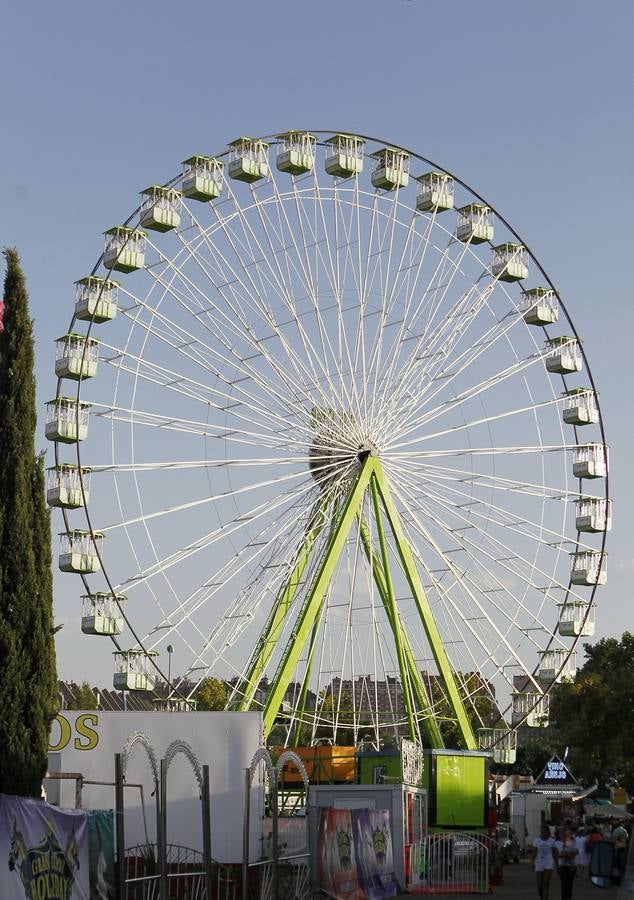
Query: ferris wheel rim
x=534, y=259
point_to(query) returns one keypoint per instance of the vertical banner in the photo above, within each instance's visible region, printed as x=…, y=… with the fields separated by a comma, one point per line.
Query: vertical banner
x=101, y=854
x=337, y=863
x=373, y=849
x=43, y=851
x=356, y=860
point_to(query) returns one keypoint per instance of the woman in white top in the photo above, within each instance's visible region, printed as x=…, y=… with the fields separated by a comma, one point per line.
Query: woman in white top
x=543, y=861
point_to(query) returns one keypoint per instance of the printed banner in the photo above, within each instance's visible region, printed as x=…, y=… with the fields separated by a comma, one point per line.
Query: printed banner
x=101, y=854
x=337, y=863
x=373, y=851
x=43, y=851
x=355, y=854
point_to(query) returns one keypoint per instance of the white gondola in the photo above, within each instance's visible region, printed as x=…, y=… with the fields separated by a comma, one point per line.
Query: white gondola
x=296, y=152
x=531, y=704
x=510, y=262
x=344, y=155
x=501, y=742
x=435, y=192
x=133, y=670
x=96, y=299
x=475, y=223
x=556, y=663
x=202, y=178
x=576, y=618
x=391, y=170
x=580, y=407
x=78, y=551
x=160, y=208
x=124, y=249
x=66, y=420
x=593, y=514
x=64, y=486
x=590, y=460
x=248, y=159
x=540, y=306
x=563, y=356
x=76, y=356
x=100, y=614
x=589, y=567
x=174, y=704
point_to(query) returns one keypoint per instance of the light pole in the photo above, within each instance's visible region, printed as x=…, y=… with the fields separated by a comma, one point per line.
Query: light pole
x=170, y=650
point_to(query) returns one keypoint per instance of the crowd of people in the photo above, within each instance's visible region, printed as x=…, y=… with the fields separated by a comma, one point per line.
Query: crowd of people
x=567, y=849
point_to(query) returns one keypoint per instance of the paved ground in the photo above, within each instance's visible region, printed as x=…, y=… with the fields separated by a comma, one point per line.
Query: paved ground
x=519, y=884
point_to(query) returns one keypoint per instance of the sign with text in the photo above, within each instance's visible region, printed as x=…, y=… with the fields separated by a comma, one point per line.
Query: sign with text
x=43, y=851
x=555, y=773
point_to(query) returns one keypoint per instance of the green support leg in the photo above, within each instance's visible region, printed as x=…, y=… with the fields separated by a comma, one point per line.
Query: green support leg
x=315, y=595
x=275, y=624
x=311, y=609
x=393, y=614
x=422, y=698
x=301, y=706
x=426, y=615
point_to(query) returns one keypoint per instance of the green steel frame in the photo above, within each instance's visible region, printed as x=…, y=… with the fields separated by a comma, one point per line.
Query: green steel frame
x=418, y=707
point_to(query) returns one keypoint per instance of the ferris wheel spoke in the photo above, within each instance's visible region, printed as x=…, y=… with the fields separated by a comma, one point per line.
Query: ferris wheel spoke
x=238, y=325
x=208, y=539
x=213, y=498
x=336, y=278
x=401, y=494
x=445, y=377
x=533, y=623
x=284, y=291
x=533, y=407
x=511, y=521
x=244, y=332
x=177, y=383
x=244, y=371
x=177, y=465
x=488, y=480
x=409, y=293
x=383, y=267
x=203, y=429
x=493, y=381
x=441, y=342
x=466, y=450
x=499, y=546
x=458, y=536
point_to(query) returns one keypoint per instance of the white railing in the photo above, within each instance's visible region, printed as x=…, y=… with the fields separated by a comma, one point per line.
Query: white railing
x=456, y=861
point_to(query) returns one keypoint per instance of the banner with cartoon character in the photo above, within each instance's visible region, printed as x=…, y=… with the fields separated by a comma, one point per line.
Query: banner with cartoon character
x=373, y=851
x=43, y=851
x=337, y=863
x=355, y=854
x=101, y=852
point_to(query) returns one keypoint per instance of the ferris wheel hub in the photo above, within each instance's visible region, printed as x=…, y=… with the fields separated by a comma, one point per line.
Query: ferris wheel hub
x=336, y=450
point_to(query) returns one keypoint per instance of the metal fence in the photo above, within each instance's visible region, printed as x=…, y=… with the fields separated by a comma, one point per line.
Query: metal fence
x=186, y=879
x=455, y=861
x=282, y=871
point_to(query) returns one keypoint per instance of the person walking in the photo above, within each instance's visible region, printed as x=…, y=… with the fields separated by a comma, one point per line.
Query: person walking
x=566, y=858
x=543, y=860
x=581, y=841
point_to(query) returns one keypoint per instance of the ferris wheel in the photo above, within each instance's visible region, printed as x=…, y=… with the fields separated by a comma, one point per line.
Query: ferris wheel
x=324, y=427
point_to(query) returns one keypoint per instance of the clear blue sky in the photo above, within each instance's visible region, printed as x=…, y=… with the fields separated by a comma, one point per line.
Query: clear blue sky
x=529, y=103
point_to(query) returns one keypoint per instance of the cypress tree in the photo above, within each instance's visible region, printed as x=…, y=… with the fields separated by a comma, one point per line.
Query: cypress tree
x=28, y=680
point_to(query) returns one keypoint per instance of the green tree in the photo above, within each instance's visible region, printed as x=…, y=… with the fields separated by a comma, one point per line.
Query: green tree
x=594, y=714
x=211, y=694
x=28, y=680
x=83, y=697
